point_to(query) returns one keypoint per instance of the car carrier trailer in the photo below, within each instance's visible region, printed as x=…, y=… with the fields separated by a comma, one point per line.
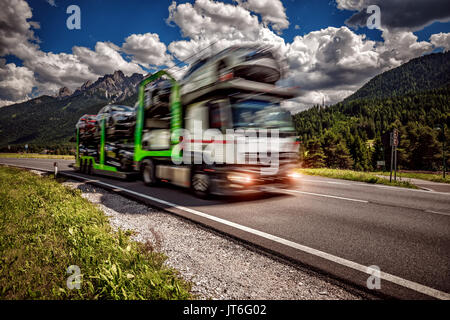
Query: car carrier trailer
x=154, y=163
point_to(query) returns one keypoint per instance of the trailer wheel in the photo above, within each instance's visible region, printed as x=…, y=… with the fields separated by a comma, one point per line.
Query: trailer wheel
x=201, y=184
x=148, y=173
x=89, y=167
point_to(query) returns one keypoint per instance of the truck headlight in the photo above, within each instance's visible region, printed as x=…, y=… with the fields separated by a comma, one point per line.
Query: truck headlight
x=294, y=175
x=241, y=178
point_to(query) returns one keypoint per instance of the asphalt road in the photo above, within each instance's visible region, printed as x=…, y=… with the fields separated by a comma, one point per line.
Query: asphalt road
x=335, y=226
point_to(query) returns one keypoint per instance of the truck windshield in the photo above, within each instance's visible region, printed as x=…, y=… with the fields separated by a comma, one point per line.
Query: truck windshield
x=261, y=114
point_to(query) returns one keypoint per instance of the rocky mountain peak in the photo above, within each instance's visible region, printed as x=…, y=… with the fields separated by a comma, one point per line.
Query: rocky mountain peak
x=115, y=87
x=118, y=75
x=86, y=85
x=64, y=92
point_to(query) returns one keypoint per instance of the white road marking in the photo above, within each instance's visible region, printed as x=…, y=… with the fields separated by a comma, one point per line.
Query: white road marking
x=325, y=195
x=429, y=191
x=348, y=263
x=324, y=181
x=438, y=212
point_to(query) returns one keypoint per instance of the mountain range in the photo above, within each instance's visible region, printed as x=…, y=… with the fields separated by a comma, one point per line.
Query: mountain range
x=50, y=120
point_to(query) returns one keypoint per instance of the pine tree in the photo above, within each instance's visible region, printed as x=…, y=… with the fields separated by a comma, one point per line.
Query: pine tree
x=315, y=157
x=343, y=160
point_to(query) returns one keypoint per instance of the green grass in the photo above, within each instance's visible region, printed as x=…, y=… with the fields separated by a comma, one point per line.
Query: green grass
x=46, y=227
x=424, y=176
x=36, y=156
x=355, y=176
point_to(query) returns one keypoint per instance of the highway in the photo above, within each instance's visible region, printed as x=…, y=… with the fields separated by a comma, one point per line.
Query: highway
x=337, y=227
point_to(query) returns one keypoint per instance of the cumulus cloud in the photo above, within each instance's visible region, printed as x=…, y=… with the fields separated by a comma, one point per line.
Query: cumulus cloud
x=441, y=40
x=16, y=83
x=401, y=46
x=410, y=15
x=105, y=59
x=208, y=17
x=15, y=29
x=331, y=63
x=213, y=26
x=271, y=11
x=147, y=49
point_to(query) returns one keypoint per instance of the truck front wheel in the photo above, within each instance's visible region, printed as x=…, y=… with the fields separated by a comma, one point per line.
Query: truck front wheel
x=201, y=184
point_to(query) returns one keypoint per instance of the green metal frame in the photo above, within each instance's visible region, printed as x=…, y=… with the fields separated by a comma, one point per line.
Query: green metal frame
x=175, y=123
x=95, y=165
x=139, y=153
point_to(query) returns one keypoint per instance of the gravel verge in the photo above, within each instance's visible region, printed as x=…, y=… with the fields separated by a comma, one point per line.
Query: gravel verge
x=218, y=267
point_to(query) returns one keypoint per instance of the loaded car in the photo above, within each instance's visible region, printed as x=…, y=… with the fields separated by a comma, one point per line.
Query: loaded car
x=119, y=155
x=251, y=63
x=87, y=126
x=158, y=93
x=119, y=120
x=88, y=150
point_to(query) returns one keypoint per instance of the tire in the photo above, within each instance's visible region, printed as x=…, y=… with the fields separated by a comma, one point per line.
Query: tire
x=201, y=184
x=80, y=168
x=83, y=166
x=123, y=165
x=148, y=173
x=89, y=167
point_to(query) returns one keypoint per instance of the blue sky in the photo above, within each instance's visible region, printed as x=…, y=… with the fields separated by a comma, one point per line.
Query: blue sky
x=114, y=20
x=106, y=20
x=134, y=35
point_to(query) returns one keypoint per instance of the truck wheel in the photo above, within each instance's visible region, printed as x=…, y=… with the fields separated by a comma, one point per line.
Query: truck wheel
x=82, y=166
x=148, y=173
x=123, y=165
x=201, y=184
x=89, y=167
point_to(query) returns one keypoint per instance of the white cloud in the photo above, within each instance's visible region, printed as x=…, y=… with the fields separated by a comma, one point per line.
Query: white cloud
x=206, y=18
x=16, y=83
x=271, y=11
x=213, y=26
x=15, y=29
x=146, y=49
x=441, y=40
x=105, y=59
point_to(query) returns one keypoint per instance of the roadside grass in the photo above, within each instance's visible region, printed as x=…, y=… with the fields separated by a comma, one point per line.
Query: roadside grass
x=424, y=176
x=36, y=156
x=355, y=176
x=46, y=227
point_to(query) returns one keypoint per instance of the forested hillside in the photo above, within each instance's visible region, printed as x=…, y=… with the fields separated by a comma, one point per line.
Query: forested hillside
x=420, y=74
x=355, y=133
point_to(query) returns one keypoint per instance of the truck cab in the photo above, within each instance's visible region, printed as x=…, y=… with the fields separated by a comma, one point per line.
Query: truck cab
x=226, y=143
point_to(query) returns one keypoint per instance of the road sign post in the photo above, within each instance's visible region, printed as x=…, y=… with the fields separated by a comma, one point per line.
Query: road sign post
x=394, y=144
